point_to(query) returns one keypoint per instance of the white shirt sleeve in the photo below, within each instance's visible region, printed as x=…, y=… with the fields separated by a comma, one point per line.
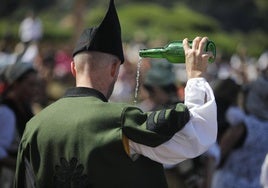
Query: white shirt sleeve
x=197, y=135
x=7, y=129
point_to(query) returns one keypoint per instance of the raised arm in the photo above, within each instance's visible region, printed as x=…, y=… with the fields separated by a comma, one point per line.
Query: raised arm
x=201, y=130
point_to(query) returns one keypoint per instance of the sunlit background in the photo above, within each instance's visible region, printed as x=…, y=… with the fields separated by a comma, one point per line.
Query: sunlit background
x=230, y=23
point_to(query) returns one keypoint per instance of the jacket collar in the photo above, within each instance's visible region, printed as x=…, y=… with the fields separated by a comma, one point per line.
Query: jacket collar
x=84, y=92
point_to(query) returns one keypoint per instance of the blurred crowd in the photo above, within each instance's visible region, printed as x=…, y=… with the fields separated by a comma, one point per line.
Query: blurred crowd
x=33, y=76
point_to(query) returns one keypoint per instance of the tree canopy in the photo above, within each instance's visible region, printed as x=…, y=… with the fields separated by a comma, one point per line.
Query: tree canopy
x=229, y=23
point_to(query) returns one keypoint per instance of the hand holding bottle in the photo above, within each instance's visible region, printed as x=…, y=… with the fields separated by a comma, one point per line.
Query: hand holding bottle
x=174, y=52
x=196, y=58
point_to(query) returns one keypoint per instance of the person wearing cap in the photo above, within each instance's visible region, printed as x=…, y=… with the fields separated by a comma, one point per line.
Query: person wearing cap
x=83, y=140
x=15, y=111
x=160, y=84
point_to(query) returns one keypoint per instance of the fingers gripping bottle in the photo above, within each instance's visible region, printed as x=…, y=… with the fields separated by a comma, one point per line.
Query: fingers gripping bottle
x=174, y=52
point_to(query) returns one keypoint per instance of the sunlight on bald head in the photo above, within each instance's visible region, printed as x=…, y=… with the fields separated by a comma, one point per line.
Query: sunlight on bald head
x=94, y=61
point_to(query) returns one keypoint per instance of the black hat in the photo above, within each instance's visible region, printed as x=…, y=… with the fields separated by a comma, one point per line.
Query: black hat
x=104, y=38
x=16, y=71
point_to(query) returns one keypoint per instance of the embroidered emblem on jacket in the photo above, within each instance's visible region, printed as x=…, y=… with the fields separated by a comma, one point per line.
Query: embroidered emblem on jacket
x=159, y=124
x=69, y=174
x=167, y=125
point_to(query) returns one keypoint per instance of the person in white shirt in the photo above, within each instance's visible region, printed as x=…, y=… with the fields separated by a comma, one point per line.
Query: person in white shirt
x=31, y=28
x=30, y=33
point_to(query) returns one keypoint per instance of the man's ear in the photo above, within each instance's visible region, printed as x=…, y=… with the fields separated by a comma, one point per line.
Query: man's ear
x=115, y=69
x=73, y=69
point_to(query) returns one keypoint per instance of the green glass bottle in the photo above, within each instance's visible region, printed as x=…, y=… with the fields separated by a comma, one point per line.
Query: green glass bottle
x=174, y=52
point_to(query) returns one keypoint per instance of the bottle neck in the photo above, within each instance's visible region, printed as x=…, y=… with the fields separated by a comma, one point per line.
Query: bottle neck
x=152, y=53
x=211, y=47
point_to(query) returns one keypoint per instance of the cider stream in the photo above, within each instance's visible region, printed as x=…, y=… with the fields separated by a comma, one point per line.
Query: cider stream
x=137, y=81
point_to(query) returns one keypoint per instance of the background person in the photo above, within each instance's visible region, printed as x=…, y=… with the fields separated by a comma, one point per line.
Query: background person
x=246, y=141
x=160, y=84
x=15, y=111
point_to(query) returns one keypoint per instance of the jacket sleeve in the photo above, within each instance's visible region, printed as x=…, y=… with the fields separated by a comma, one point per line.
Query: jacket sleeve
x=20, y=176
x=153, y=128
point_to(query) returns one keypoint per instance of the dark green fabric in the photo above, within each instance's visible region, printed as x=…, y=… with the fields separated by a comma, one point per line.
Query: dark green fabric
x=154, y=128
x=77, y=142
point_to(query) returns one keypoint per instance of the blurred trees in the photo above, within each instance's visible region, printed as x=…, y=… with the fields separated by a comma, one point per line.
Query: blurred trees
x=228, y=22
x=8, y=7
x=242, y=15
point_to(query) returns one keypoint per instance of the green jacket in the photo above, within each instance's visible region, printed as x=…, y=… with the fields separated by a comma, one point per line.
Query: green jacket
x=77, y=142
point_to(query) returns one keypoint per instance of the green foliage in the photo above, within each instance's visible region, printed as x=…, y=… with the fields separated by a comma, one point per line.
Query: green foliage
x=7, y=27
x=147, y=22
x=155, y=21
x=57, y=30
x=150, y=22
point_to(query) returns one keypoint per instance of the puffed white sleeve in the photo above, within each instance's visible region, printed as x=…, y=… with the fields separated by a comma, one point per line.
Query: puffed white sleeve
x=198, y=134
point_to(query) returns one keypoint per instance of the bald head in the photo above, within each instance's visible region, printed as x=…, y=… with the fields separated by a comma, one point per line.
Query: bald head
x=96, y=70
